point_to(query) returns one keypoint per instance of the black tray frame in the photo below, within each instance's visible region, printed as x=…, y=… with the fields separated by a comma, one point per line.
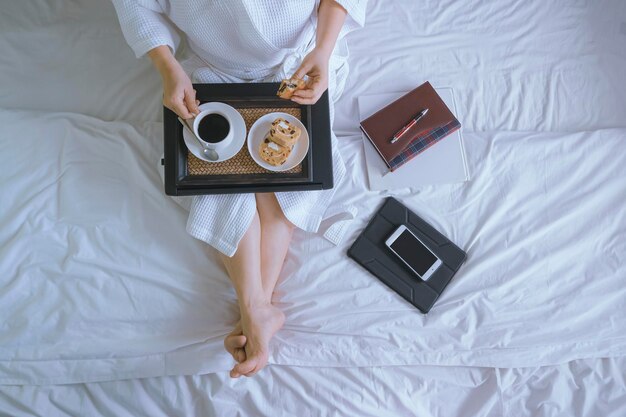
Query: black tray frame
x=317, y=172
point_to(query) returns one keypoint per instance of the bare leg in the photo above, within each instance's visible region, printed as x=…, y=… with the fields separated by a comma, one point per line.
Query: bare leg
x=276, y=232
x=259, y=319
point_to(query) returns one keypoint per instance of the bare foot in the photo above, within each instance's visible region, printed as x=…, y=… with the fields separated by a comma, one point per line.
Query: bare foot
x=259, y=324
x=234, y=343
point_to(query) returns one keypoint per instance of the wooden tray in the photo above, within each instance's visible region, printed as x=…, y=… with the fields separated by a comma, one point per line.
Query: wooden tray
x=187, y=175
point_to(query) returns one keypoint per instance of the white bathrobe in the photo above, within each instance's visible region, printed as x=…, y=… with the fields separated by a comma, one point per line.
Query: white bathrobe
x=246, y=41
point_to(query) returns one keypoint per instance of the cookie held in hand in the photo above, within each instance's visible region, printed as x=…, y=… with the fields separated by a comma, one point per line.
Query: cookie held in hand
x=288, y=87
x=273, y=153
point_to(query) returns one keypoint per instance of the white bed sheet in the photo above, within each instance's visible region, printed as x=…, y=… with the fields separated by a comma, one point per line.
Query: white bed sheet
x=590, y=388
x=70, y=56
x=101, y=282
x=537, y=67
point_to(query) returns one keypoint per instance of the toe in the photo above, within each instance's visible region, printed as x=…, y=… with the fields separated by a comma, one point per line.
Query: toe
x=238, y=341
x=246, y=366
x=261, y=363
x=240, y=355
x=234, y=342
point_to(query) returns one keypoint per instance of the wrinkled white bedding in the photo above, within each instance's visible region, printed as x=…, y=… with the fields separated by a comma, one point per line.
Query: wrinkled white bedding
x=98, y=280
x=591, y=387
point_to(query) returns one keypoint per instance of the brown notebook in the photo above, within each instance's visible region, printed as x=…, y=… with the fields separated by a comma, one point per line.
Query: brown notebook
x=438, y=123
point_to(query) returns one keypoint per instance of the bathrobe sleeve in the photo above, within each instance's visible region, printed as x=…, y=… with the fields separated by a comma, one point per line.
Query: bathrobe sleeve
x=144, y=24
x=356, y=14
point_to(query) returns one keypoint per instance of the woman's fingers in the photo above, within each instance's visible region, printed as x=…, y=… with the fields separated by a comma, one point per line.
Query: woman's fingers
x=305, y=101
x=184, y=105
x=179, y=107
x=309, y=95
x=305, y=67
x=190, y=102
x=306, y=97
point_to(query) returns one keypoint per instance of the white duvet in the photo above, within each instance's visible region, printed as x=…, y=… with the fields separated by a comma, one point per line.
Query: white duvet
x=592, y=387
x=99, y=281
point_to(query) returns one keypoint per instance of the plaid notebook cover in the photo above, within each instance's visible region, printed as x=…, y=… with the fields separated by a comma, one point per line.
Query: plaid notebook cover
x=422, y=142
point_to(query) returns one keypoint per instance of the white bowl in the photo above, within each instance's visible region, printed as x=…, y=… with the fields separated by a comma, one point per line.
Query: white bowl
x=258, y=132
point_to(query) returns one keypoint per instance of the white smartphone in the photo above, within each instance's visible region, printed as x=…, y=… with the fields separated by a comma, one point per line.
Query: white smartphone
x=413, y=252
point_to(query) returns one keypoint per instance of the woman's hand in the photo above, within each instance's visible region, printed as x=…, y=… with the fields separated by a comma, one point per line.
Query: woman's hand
x=178, y=92
x=331, y=16
x=315, y=66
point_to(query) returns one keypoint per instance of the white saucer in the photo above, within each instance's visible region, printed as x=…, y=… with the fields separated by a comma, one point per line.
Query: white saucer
x=258, y=132
x=236, y=123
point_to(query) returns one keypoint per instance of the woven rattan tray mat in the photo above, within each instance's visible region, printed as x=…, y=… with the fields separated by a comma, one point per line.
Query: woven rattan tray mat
x=242, y=163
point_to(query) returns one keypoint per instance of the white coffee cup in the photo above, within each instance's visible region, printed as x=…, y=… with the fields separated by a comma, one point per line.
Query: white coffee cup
x=218, y=142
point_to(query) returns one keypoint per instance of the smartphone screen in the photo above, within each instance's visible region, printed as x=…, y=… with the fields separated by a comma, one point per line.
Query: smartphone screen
x=413, y=252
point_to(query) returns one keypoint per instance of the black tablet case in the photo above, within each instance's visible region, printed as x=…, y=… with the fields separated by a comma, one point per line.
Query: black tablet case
x=370, y=251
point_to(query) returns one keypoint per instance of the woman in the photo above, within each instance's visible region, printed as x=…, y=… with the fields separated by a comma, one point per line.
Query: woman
x=248, y=41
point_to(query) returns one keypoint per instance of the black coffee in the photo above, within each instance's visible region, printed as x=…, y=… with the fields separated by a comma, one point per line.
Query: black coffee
x=213, y=128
